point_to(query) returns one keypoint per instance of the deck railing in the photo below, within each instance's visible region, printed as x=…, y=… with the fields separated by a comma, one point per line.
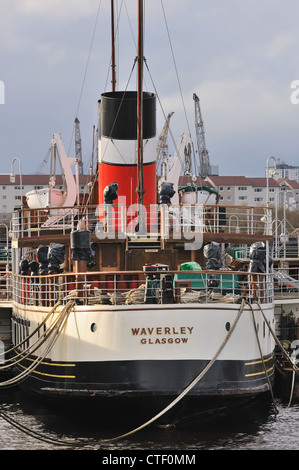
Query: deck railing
x=137, y=288
x=165, y=220
x=5, y=286
x=286, y=282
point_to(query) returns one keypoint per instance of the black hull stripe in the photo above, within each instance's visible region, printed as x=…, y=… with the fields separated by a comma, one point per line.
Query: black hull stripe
x=149, y=377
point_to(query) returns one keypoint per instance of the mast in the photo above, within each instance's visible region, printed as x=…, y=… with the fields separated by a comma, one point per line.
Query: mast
x=127, y=119
x=140, y=189
x=113, y=66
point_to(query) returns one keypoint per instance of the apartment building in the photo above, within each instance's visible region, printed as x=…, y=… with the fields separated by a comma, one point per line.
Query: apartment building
x=11, y=193
x=241, y=190
x=282, y=170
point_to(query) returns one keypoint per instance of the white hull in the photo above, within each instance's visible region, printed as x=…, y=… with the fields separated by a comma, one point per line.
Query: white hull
x=159, y=332
x=152, y=350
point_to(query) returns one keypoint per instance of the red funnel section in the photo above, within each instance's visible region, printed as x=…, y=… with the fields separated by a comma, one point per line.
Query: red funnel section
x=118, y=147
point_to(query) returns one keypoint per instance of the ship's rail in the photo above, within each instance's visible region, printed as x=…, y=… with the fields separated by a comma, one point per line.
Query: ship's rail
x=286, y=282
x=137, y=288
x=5, y=286
x=285, y=240
x=286, y=249
x=167, y=221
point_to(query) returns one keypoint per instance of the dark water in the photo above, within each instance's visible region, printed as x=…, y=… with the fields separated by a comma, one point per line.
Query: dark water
x=254, y=427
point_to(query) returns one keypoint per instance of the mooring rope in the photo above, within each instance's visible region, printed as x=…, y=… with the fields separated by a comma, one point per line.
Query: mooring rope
x=292, y=389
x=285, y=354
x=189, y=387
x=262, y=357
x=171, y=405
x=28, y=431
x=19, y=345
x=56, y=328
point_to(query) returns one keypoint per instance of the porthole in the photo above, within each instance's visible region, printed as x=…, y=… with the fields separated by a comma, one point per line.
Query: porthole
x=93, y=327
x=227, y=326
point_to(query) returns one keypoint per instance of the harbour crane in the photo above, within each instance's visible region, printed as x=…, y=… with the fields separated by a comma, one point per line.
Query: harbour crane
x=162, y=149
x=204, y=159
x=78, y=146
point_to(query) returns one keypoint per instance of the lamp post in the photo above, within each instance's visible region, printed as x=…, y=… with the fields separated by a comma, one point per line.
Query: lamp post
x=268, y=221
x=267, y=177
x=13, y=177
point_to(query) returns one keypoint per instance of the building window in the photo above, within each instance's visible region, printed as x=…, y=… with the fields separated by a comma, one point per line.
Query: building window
x=258, y=190
x=242, y=198
x=242, y=188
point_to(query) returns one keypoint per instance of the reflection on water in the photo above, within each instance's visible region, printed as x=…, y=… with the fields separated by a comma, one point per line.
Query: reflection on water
x=254, y=427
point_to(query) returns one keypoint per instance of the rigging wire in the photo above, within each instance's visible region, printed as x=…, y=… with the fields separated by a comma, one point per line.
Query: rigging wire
x=39, y=171
x=123, y=3
x=116, y=117
x=162, y=109
x=181, y=94
x=86, y=67
x=175, y=66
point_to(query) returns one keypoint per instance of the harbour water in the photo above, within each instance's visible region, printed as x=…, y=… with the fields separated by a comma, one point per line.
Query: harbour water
x=260, y=426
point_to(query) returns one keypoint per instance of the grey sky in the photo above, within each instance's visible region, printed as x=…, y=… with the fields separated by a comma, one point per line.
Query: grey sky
x=240, y=57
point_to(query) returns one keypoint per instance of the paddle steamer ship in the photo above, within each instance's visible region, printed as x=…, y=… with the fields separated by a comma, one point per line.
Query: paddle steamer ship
x=132, y=299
